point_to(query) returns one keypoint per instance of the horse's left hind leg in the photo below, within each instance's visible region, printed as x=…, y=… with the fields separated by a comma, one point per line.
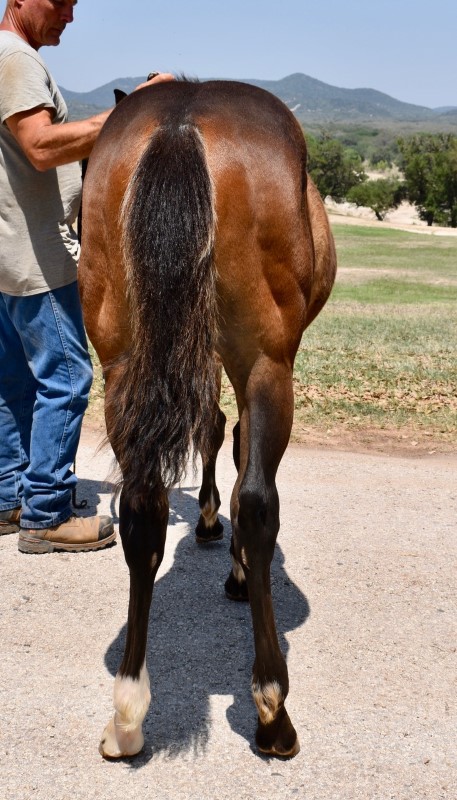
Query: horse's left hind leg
x=143, y=531
x=209, y=527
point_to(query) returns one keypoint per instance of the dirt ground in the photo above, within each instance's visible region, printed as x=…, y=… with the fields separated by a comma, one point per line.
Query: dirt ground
x=364, y=585
x=407, y=441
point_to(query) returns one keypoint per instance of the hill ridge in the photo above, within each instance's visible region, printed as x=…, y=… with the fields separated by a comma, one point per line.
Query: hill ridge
x=312, y=101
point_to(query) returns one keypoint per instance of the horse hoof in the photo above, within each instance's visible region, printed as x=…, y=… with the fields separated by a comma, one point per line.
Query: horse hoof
x=234, y=590
x=272, y=751
x=204, y=535
x=117, y=742
x=278, y=738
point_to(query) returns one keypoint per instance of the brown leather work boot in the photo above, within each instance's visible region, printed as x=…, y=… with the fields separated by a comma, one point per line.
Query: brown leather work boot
x=75, y=535
x=9, y=520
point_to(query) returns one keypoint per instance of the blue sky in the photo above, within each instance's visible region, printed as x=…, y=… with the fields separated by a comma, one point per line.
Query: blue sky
x=406, y=48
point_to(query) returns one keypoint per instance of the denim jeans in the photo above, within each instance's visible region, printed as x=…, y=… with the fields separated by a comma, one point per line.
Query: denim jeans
x=45, y=378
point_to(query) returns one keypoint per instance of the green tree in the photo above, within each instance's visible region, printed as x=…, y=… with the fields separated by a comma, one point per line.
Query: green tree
x=333, y=168
x=380, y=195
x=429, y=164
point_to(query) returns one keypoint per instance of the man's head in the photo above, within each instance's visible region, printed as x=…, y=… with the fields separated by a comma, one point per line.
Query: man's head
x=39, y=22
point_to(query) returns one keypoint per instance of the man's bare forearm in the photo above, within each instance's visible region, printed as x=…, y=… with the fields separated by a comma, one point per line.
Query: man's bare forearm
x=72, y=141
x=47, y=145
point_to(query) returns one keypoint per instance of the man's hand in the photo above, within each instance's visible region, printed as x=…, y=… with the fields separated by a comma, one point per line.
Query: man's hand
x=158, y=77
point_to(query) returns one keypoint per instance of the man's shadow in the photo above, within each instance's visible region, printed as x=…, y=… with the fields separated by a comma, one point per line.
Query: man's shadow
x=200, y=643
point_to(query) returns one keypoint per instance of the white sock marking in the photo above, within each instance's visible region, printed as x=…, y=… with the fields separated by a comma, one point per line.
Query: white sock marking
x=267, y=698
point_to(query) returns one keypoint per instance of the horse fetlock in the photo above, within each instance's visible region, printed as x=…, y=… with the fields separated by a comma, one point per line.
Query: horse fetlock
x=209, y=512
x=238, y=571
x=209, y=528
x=236, y=587
x=268, y=698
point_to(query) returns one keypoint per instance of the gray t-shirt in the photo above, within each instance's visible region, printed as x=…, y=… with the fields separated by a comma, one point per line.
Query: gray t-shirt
x=38, y=245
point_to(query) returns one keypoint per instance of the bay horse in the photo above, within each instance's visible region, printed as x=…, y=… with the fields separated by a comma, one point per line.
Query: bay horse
x=204, y=243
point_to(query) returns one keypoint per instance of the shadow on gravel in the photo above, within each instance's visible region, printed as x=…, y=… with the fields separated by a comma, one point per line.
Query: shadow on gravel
x=88, y=493
x=200, y=644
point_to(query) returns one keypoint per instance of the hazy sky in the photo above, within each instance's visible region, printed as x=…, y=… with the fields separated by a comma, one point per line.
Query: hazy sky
x=406, y=48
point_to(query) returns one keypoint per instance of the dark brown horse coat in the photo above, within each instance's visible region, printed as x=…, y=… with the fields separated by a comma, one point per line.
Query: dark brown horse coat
x=202, y=235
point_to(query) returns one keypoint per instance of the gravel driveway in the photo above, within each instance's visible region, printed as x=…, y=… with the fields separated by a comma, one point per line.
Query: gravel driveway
x=364, y=582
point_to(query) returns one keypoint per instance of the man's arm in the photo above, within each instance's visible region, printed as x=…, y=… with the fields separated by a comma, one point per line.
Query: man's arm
x=47, y=145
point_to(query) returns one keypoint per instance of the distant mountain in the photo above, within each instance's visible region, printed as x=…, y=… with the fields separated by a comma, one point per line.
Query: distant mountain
x=449, y=116
x=312, y=101
x=100, y=98
x=446, y=110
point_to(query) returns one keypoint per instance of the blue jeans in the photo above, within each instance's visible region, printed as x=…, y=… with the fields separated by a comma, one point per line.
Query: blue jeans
x=45, y=378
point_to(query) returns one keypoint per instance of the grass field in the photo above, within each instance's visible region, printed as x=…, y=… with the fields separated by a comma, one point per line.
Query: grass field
x=379, y=364
x=377, y=368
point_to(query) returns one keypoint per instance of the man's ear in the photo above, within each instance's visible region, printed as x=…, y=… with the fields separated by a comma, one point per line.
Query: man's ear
x=119, y=95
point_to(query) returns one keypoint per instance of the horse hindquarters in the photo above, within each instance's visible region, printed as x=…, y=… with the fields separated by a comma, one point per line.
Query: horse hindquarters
x=162, y=395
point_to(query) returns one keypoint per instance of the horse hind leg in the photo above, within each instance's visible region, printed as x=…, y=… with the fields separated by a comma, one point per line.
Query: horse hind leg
x=143, y=532
x=236, y=587
x=265, y=429
x=209, y=527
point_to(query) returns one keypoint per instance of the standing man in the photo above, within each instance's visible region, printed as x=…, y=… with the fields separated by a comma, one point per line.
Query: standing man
x=45, y=369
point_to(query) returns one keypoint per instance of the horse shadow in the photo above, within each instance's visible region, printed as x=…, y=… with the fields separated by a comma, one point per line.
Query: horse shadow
x=200, y=643
x=87, y=497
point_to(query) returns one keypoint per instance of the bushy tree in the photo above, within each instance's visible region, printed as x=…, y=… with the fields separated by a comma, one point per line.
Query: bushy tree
x=333, y=168
x=380, y=195
x=429, y=164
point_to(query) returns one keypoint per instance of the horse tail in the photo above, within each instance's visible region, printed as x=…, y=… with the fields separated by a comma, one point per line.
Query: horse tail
x=169, y=388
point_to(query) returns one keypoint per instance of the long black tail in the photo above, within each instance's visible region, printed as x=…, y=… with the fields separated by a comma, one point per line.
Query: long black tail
x=169, y=390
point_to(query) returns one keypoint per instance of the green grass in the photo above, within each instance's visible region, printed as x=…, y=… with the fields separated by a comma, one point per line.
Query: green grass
x=382, y=354
x=388, y=291
x=399, y=251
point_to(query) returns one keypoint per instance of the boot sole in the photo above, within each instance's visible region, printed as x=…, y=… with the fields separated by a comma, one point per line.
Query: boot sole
x=5, y=529
x=32, y=544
